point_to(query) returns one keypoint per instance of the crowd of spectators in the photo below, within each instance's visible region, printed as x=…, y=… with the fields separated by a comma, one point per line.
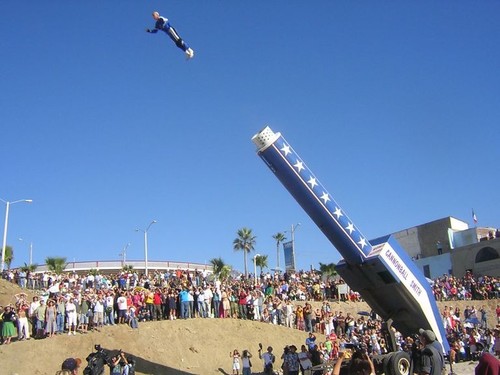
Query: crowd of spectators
x=72, y=304
x=450, y=288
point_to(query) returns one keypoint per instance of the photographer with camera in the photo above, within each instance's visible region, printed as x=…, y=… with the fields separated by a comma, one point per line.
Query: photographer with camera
x=268, y=358
x=360, y=364
x=119, y=364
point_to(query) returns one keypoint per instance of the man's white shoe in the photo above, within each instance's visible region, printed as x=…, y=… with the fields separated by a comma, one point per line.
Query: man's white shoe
x=189, y=53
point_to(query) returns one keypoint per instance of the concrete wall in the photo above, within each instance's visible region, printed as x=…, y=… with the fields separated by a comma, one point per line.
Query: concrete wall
x=408, y=239
x=466, y=253
x=438, y=265
x=466, y=257
x=420, y=241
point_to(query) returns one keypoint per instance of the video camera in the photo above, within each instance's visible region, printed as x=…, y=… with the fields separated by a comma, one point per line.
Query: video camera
x=360, y=347
x=96, y=361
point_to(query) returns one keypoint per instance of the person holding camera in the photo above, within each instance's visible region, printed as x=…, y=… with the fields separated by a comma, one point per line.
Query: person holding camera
x=235, y=355
x=291, y=361
x=268, y=358
x=119, y=364
x=360, y=364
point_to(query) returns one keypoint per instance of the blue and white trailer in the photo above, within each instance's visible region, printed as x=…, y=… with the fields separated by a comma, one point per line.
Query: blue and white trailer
x=380, y=270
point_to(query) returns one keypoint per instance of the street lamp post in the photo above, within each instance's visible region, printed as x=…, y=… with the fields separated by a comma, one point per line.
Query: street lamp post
x=6, y=224
x=123, y=254
x=255, y=267
x=31, y=250
x=294, y=226
x=145, y=231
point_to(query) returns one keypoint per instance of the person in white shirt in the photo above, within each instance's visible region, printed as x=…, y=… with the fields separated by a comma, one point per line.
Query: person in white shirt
x=289, y=317
x=99, y=312
x=45, y=280
x=31, y=313
x=109, y=309
x=54, y=289
x=122, y=308
x=208, y=301
x=90, y=281
x=71, y=314
x=255, y=302
x=191, y=303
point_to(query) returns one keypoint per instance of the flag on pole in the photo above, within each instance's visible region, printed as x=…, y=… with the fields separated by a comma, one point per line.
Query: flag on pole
x=474, y=217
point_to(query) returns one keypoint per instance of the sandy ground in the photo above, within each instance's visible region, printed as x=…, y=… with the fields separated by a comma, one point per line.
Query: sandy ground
x=194, y=346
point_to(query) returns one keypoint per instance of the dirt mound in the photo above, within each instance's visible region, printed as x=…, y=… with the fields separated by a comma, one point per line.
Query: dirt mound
x=193, y=346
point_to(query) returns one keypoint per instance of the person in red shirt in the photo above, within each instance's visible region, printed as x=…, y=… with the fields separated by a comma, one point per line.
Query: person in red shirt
x=242, y=304
x=157, y=301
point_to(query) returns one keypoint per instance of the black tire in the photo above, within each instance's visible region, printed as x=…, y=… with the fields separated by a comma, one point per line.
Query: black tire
x=386, y=363
x=399, y=364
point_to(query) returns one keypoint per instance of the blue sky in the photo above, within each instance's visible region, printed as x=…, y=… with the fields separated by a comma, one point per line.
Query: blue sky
x=395, y=107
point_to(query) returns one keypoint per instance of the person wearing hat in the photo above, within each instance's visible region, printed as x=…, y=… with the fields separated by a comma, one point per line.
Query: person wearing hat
x=268, y=358
x=431, y=359
x=437, y=345
x=23, y=330
x=292, y=361
x=72, y=365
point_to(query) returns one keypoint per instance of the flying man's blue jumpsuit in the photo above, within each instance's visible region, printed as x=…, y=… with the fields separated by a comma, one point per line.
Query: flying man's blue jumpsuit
x=163, y=25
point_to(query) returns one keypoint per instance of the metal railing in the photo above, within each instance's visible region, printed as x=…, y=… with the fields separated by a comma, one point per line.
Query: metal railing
x=111, y=266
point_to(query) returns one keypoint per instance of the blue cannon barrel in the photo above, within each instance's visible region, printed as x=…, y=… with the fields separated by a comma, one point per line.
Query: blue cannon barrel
x=381, y=272
x=312, y=196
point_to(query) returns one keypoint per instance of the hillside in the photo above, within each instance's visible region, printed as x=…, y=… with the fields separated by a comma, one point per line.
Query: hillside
x=194, y=346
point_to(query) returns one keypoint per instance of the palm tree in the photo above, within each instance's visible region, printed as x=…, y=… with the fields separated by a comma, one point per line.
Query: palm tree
x=9, y=256
x=328, y=269
x=261, y=262
x=279, y=238
x=56, y=264
x=218, y=265
x=128, y=268
x=29, y=267
x=94, y=272
x=246, y=243
x=225, y=272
